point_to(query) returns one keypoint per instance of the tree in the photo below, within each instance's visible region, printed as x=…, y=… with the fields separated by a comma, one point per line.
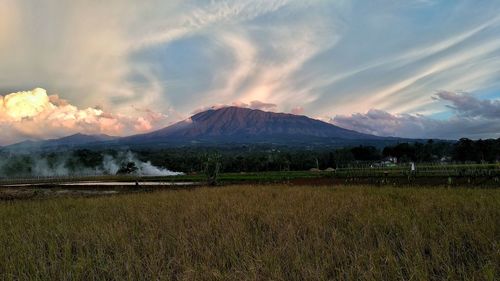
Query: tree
x=212, y=168
x=127, y=168
x=365, y=153
x=466, y=150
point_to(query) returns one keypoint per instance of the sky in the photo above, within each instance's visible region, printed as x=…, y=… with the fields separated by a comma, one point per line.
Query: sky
x=413, y=68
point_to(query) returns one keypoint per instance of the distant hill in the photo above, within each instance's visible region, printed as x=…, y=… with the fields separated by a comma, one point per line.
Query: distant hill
x=68, y=141
x=243, y=125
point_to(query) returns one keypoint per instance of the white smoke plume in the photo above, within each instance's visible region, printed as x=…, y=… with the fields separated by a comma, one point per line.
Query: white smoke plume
x=111, y=166
x=62, y=165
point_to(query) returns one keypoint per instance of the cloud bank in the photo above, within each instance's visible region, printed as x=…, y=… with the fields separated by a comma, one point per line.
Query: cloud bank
x=36, y=115
x=471, y=117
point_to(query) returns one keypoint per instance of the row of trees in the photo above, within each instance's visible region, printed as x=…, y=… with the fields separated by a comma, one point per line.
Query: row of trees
x=462, y=151
x=261, y=158
x=236, y=159
x=254, y=159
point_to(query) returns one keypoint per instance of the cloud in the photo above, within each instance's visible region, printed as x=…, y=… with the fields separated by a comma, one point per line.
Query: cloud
x=204, y=15
x=265, y=106
x=397, y=69
x=298, y=110
x=212, y=107
x=177, y=55
x=465, y=105
x=382, y=123
x=262, y=105
x=36, y=115
x=471, y=117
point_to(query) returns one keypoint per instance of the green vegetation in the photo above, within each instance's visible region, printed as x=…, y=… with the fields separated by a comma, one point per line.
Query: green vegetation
x=266, y=158
x=212, y=168
x=471, y=175
x=256, y=233
x=244, y=158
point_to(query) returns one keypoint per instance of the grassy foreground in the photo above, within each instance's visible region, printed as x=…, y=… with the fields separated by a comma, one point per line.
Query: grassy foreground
x=256, y=233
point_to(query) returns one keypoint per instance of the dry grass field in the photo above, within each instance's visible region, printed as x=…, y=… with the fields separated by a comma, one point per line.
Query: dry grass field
x=252, y=232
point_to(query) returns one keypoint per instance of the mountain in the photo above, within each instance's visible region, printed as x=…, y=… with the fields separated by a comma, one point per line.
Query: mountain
x=78, y=139
x=68, y=141
x=243, y=125
x=226, y=126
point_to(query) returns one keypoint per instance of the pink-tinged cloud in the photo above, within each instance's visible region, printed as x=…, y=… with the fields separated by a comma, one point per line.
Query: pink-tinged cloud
x=472, y=117
x=262, y=105
x=298, y=110
x=252, y=105
x=211, y=107
x=36, y=115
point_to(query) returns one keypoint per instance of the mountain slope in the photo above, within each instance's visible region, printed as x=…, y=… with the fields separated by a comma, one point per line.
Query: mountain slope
x=242, y=125
x=68, y=141
x=229, y=125
x=77, y=139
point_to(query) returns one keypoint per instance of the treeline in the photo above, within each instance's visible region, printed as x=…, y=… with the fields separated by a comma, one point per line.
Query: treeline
x=462, y=151
x=255, y=159
x=268, y=158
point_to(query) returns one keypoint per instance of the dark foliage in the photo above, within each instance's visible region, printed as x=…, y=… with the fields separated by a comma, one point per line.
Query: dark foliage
x=258, y=158
x=127, y=169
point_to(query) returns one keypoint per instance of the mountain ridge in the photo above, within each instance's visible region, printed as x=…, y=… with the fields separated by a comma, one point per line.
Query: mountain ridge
x=77, y=139
x=243, y=125
x=224, y=126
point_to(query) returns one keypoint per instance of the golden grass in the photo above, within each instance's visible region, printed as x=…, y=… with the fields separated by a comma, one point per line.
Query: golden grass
x=256, y=233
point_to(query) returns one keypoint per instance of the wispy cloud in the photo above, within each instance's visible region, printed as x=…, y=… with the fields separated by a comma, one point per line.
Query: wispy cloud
x=315, y=57
x=204, y=16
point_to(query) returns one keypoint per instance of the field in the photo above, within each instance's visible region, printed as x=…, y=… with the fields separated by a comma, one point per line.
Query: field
x=256, y=232
x=452, y=175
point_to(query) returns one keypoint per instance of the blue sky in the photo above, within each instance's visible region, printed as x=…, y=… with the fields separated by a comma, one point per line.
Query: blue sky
x=122, y=67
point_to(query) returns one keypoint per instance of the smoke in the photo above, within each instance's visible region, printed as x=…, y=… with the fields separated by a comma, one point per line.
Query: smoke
x=111, y=165
x=41, y=168
x=83, y=164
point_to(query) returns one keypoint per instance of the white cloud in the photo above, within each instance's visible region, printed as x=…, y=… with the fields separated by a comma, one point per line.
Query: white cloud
x=36, y=115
